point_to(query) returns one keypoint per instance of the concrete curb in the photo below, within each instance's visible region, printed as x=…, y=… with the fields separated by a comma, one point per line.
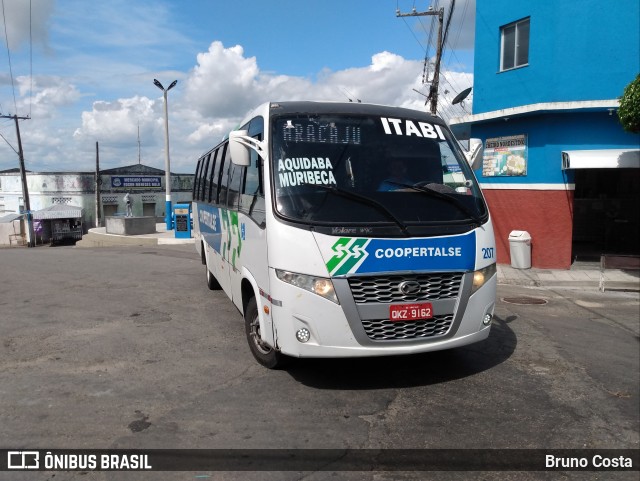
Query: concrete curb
x=98, y=237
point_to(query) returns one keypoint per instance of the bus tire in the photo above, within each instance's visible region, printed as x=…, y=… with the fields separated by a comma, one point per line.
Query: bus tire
x=264, y=354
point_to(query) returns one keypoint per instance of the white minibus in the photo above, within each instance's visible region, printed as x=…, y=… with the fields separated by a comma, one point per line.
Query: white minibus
x=346, y=229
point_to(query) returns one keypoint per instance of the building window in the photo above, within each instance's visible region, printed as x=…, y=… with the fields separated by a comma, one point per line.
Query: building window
x=514, y=45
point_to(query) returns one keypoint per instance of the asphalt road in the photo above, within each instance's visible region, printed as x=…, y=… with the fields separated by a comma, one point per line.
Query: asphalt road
x=127, y=348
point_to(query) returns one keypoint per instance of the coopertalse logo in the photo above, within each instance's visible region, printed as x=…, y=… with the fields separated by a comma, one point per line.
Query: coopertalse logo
x=23, y=460
x=348, y=255
x=347, y=252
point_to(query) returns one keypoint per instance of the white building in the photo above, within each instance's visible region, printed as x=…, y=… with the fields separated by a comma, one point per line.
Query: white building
x=146, y=186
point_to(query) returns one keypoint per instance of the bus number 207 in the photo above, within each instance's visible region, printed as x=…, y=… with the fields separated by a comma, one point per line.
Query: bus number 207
x=487, y=252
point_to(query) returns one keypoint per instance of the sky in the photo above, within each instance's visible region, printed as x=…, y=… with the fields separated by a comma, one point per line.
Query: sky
x=83, y=71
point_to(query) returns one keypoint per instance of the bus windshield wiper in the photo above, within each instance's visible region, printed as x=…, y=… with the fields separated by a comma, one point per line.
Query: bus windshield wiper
x=440, y=195
x=365, y=200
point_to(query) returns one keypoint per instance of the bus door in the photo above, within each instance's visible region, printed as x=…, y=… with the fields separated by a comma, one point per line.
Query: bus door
x=246, y=222
x=245, y=226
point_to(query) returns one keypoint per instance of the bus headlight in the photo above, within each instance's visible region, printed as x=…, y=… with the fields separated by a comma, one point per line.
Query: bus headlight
x=318, y=285
x=480, y=277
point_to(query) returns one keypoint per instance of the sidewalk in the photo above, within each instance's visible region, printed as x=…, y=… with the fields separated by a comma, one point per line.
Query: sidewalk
x=583, y=275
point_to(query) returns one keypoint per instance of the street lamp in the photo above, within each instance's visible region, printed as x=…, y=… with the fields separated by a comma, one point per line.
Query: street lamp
x=167, y=170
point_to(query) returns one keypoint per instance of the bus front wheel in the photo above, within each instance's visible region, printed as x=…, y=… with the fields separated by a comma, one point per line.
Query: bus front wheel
x=264, y=354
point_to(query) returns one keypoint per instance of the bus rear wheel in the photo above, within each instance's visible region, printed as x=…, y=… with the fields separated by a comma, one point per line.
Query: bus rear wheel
x=262, y=352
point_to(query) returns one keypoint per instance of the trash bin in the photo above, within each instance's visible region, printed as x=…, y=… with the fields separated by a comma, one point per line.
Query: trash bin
x=520, y=249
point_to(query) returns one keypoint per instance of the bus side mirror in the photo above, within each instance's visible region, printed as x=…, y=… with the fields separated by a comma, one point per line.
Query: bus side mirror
x=239, y=149
x=474, y=156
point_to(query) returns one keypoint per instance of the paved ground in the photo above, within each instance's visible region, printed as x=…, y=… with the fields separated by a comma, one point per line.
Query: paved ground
x=125, y=347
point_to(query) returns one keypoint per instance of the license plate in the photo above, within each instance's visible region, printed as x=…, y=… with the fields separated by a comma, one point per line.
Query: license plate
x=410, y=312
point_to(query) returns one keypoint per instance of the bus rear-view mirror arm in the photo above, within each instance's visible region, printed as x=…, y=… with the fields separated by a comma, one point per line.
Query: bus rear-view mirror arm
x=474, y=155
x=240, y=143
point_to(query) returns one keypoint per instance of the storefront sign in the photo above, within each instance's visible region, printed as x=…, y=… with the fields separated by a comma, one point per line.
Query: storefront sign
x=505, y=156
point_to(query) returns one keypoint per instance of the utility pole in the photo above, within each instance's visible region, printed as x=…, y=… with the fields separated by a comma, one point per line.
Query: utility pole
x=167, y=168
x=23, y=174
x=433, y=90
x=98, y=183
x=139, y=159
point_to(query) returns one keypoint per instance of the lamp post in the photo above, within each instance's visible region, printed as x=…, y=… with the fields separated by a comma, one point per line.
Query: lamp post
x=167, y=169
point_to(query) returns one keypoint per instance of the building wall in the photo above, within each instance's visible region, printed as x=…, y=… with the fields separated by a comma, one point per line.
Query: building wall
x=547, y=215
x=586, y=50
x=541, y=202
x=78, y=189
x=578, y=52
x=548, y=135
x=11, y=233
x=45, y=189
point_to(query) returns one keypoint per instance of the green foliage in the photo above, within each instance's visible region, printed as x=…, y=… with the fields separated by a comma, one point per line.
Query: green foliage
x=629, y=111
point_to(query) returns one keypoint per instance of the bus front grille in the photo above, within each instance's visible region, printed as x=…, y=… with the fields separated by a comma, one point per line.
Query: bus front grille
x=384, y=330
x=384, y=289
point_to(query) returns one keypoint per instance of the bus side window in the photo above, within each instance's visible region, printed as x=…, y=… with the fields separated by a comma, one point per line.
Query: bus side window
x=196, y=179
x=252, y=198
x=236, y=173
x=210, y=173
x=216, y=185
x=204, y=187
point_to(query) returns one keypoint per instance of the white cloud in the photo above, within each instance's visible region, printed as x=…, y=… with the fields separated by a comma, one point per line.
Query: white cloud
x=226, y=84
x=209, y=132
x=385, y=60
x=117, y=122
x=208, y=101
x=27, y=21
x=223, y=83
x=42, y=96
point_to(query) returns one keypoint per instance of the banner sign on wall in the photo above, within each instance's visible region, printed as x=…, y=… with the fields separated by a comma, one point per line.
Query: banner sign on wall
x=505, y=156
x=141, y=181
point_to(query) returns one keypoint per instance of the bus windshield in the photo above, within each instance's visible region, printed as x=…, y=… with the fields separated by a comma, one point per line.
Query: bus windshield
x=371, y=170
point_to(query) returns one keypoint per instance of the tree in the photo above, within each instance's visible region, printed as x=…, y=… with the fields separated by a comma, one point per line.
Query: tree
x=629, y=111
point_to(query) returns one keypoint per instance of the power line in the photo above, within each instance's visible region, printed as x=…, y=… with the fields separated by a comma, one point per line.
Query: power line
x=6, y=35
x=30, y=59
x=8, y=143
x=445, y=43
x=414, y=35
x=433, y=91
x=446, y=29
x=460, y=26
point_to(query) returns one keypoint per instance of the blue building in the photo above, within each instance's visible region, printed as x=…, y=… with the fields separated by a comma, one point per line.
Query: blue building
x=557, y=163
